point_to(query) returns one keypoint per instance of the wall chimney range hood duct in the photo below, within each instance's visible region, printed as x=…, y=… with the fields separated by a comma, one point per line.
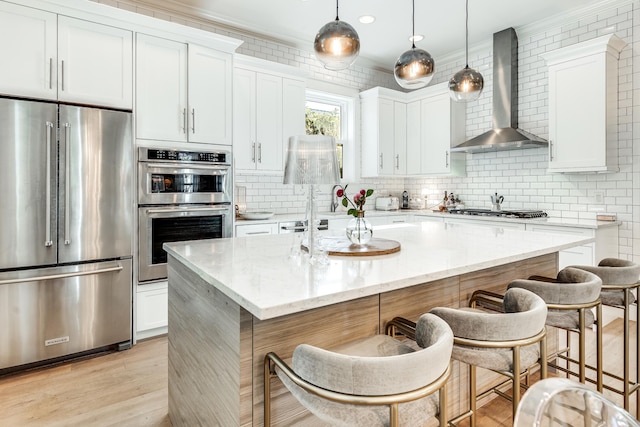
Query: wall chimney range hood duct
x=505, y=134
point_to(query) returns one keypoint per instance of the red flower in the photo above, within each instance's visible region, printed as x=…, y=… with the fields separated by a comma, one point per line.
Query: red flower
x=340, y=192
x=359, y=199
x=363, y=192
x=356, y=198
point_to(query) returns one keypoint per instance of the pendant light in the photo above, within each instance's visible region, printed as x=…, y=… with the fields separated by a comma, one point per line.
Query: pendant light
x=337, y=44
x=414, y=68
x=466, y=85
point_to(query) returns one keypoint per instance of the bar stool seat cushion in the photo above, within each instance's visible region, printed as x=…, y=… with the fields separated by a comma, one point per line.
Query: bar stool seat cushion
x=377, y=365
x=573, y=286
x=513, y=324
x=614, y=272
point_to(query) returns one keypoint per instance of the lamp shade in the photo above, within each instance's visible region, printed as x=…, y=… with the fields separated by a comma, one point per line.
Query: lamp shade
x=311, y=159
x=466, y=85
x=337, y=45
x=414, y=69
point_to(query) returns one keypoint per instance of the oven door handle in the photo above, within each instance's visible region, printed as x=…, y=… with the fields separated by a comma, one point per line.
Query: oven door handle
x=164, y=211
x=223, y=166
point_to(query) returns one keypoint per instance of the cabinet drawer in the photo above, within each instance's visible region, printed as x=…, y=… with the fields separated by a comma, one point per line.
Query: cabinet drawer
x=151, y=307
x=256, y=229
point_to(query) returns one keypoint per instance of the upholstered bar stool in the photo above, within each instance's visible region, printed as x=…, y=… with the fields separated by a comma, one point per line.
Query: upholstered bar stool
x=375, y=381
x=619, y=280
x=506, y=342
x=570, y=298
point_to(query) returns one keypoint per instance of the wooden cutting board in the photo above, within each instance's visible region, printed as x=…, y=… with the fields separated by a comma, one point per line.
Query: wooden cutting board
x=343, y=247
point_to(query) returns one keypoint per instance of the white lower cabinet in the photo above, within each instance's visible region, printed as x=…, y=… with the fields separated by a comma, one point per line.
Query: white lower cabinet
x=151, y=310
x=256, y=229
x=606, y=244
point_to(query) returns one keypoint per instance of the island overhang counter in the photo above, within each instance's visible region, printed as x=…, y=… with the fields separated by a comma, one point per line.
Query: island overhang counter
x=231, y=301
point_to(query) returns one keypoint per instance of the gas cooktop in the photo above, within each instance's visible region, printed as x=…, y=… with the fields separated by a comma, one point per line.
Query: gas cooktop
x=502, y=213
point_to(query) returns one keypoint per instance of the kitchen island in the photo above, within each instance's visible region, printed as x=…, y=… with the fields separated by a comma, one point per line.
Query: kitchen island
x=233, y=300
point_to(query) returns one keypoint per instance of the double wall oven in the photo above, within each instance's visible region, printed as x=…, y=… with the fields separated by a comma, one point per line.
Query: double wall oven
x=182, y=195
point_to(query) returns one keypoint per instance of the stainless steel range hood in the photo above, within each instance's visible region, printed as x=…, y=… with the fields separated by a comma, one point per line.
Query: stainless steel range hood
x=505, y=134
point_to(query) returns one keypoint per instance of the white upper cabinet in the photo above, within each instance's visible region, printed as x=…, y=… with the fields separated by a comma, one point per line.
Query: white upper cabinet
x=583, y=106
x=268, y=108
x=442, y=125
x=29, y=51
x=183, y=92
x=384, y=143
x=61, y=58
x=161, y=89
x=408, y=134
x=210, y=97
x=95, y=64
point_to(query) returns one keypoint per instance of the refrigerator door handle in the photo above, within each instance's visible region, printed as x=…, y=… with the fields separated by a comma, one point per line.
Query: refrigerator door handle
x=61, y=275
x=67, y=185
x=47, y=238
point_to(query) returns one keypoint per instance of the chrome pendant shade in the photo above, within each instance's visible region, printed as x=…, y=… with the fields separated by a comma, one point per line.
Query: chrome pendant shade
x=466, y=85
x=337, y=44
x=415, y=68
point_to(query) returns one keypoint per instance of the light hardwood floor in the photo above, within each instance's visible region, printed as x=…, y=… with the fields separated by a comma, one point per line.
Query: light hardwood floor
x=130, y=389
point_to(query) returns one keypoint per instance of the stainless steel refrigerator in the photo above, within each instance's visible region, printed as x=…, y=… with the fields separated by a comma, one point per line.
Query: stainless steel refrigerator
x=66, y=226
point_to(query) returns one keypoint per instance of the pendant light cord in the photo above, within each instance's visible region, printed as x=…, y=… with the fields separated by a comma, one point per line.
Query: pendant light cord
x=337, y=18
x=413, y=24
x=466, y=40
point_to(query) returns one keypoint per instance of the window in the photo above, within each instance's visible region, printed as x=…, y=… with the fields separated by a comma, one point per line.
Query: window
x=328, y=114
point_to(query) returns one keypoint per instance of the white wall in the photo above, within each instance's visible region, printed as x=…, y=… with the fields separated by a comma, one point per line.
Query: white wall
x=519, y=175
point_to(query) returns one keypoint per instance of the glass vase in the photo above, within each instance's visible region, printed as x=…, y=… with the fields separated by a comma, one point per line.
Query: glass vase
x=359, y=230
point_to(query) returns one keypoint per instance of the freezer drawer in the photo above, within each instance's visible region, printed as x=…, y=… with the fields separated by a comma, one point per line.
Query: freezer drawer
x=53, y=312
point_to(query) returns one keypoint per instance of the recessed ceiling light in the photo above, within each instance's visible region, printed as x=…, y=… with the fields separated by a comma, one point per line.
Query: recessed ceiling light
x=416, y=38
x=366, y=19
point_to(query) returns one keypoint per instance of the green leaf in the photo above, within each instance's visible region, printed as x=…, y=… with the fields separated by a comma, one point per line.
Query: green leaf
x=369, y=192
x=345, y=203
x=353, y=212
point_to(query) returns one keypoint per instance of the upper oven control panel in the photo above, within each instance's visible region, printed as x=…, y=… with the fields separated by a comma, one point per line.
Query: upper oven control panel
x=151, y=154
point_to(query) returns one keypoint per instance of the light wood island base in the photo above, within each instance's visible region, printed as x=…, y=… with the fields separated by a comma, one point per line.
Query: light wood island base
x=216, y=348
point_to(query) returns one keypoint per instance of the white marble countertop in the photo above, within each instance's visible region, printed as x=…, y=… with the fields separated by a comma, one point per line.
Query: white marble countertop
x=270, y=278
x=559, y=222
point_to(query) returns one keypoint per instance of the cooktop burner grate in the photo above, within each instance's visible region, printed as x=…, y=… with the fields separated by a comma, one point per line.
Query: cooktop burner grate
x=503, y=213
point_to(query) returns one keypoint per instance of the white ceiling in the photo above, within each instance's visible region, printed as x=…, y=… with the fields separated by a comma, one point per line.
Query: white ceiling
x=296, y=22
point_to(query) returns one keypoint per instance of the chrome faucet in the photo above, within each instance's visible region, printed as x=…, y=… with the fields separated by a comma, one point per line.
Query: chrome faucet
x=334, y=198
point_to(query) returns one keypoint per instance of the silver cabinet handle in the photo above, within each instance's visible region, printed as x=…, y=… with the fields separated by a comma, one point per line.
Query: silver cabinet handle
x=60, y=276
x=253, y=233
x=62, y=74
x=47, y=238
x=184, y=120
x=67, y=185
x=550, y=150
x=253, y=152
x=50, y=73
x=193, y=120
x=446, y=158
x=398, y=161
x=381, y=161
x=259, y=152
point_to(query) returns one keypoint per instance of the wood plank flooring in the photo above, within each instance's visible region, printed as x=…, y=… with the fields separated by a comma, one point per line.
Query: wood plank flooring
x=130, y=389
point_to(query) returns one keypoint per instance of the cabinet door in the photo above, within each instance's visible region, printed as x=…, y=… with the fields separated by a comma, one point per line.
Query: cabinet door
x=268, y=122
x=293, y=110
x=400, y=138
x=386, y=135
x=414, y=149
x=210, y=96
x=28, y=46
x=244, y=119
x=435, y=134
x=161, y=89
x=577, y=117
x=95, y=64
